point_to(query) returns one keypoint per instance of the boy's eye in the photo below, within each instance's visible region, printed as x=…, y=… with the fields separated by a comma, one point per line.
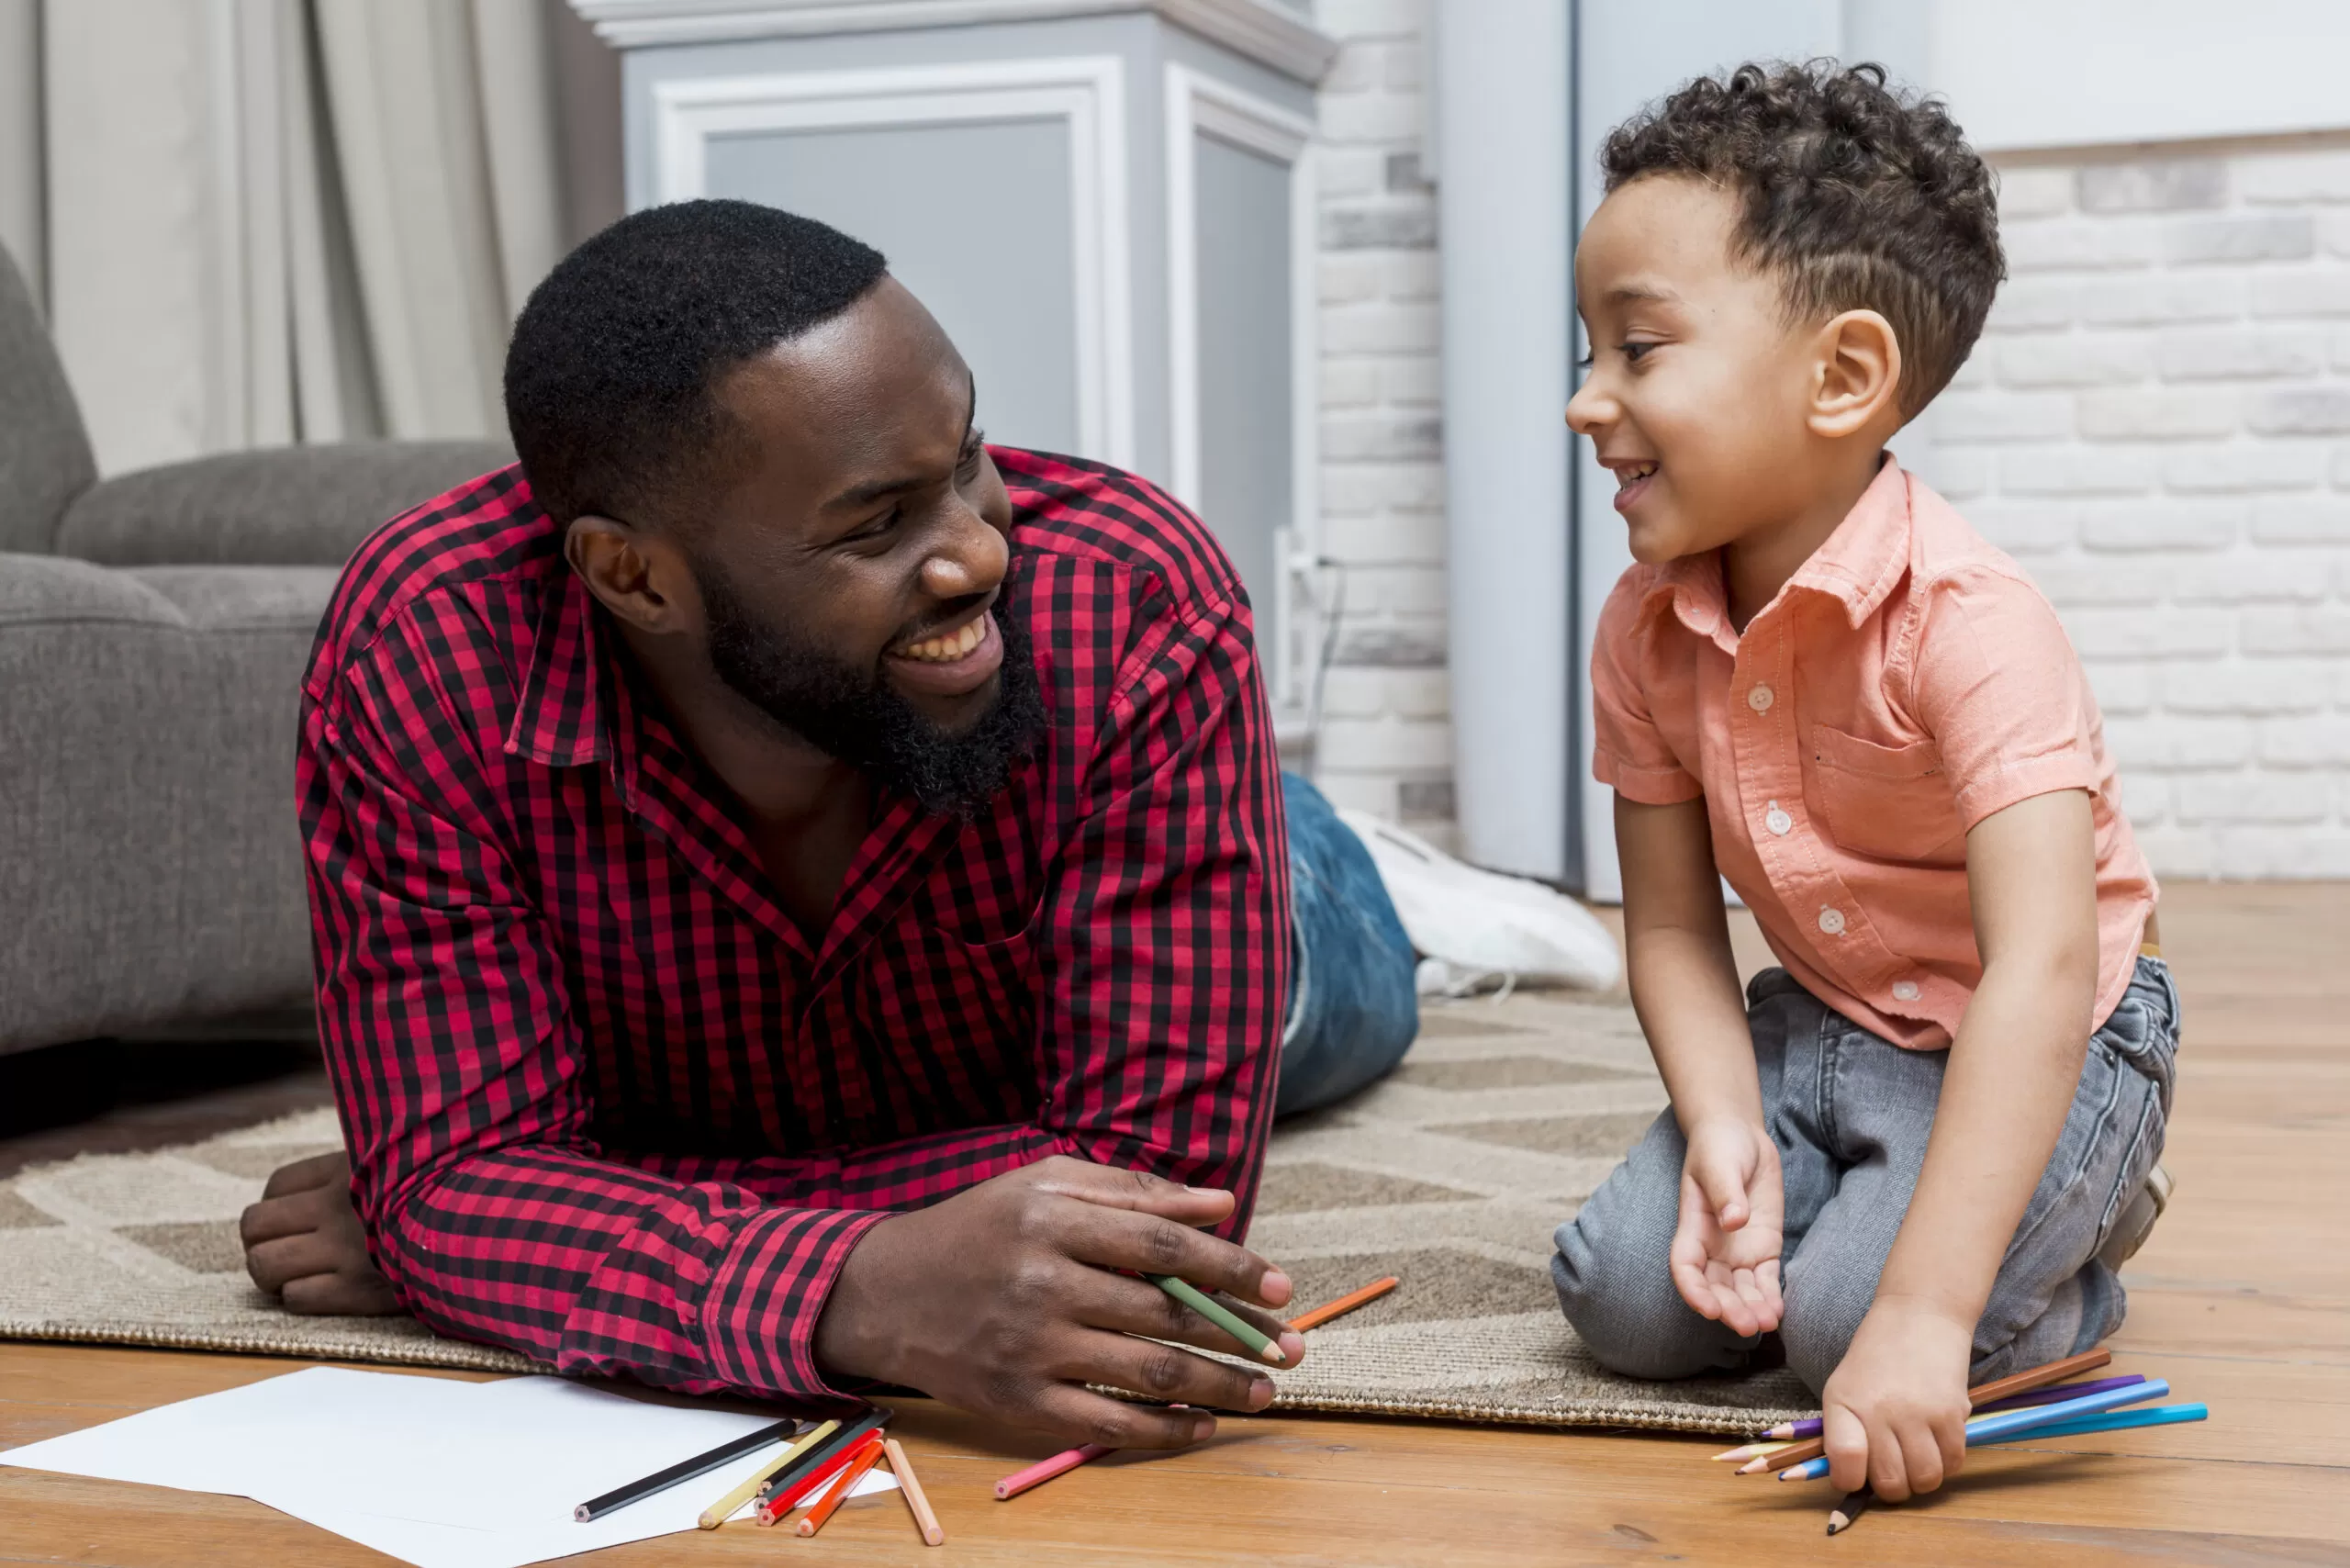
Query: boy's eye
x=967, y=466
x=1635, y=352
x=1585, y=363
x=878, y=529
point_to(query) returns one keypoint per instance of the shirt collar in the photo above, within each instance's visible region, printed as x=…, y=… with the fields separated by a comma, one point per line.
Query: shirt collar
x=1858, y=566
x=561, y=716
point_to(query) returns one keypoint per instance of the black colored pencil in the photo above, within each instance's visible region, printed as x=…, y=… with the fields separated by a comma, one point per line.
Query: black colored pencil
x=824, y=1453
x=683, y=1471
x=1841, y=1517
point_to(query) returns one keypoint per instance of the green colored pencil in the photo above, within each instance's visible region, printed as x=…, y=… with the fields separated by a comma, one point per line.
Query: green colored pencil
x=1231, y=1323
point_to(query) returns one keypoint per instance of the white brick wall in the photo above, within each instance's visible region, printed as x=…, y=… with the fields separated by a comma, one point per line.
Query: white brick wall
x=2157, y=425
x=2154, y=425
x=1386, y=739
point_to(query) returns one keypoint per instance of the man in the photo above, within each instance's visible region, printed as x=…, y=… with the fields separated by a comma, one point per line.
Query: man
x=802, y=897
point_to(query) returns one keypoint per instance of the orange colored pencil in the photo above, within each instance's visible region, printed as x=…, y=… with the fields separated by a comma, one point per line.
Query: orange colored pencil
x=926, y=1521
x=865, y=1455
x=1344, y=1304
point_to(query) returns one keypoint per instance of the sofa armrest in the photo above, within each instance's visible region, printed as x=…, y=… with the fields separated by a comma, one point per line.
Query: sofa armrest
x=286, y=506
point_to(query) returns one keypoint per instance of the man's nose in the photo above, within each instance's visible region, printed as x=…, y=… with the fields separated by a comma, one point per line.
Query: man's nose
x=969, y=559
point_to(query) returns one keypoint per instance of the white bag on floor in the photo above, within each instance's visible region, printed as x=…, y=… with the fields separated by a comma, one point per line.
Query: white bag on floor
x=1483, y=921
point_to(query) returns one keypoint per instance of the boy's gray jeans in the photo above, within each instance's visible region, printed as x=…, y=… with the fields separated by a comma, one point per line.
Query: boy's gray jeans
x=1850, y=1114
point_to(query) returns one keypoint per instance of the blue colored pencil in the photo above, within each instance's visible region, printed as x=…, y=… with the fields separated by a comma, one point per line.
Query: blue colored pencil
x=2120, y=1420
x=1990, y=1429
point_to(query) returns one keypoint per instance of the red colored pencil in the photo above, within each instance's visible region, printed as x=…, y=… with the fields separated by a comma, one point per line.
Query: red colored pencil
x=1045, y=1469
x=1344, y=1304
x=808, y=1486
x=863, y=1459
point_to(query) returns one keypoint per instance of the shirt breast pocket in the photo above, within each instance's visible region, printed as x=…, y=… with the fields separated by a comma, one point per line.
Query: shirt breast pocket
x=1888, y=802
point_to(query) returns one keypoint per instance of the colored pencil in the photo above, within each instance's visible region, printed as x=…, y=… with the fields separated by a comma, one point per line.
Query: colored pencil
x=2057, y=1393
x=823, y=1455
x=810, y=1475
x=866, y=1454
x=1230, y=1322
x=1751, y=1451
x=1981, y=1393
x=1840, y=1517
x=2119, y=1421
x=1991, y=1429
x=1344, y=1304
x=1044, y=1470
x=918, y=1505
x=685, y=1470
x=718, y=1513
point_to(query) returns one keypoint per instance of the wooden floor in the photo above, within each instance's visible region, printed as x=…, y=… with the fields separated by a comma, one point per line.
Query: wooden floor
x=2242, y=1299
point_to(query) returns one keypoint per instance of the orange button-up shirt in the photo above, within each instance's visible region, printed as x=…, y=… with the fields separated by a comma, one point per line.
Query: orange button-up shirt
x=1906, y=683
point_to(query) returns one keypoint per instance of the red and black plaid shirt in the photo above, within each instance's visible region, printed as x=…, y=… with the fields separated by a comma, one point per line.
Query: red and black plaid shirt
x=606, y=1104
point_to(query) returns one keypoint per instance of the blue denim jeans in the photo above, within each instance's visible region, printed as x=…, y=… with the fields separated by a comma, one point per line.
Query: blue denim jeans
x=1850, y=1115
x=1352, y=1009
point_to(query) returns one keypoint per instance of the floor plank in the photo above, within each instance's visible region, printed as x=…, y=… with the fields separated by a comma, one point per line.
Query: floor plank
x=2240, y=1299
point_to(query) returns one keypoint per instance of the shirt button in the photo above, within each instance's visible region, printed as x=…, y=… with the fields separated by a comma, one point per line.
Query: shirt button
x=1778, y=822
x=1831, y=920
x=1905, y=990
x=1759, y=697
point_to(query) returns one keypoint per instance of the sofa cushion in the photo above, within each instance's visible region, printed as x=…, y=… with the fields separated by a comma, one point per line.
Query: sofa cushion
x=149, y=852
x=44, y=452
x=285, y=505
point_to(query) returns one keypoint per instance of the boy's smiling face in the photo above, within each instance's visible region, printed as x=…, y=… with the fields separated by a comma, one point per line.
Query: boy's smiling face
x=1700, y=395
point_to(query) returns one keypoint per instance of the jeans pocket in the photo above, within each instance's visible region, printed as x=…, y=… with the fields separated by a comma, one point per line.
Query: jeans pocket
x=2142, y=1029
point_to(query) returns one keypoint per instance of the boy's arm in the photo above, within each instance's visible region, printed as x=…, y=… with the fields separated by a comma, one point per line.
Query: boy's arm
x=1896, y=1408
x=1685, y=987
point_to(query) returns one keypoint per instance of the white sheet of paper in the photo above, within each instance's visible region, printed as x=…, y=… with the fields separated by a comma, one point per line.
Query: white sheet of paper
x=441, y=1472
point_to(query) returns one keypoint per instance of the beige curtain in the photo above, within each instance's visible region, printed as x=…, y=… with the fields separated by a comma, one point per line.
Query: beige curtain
x=280, y=220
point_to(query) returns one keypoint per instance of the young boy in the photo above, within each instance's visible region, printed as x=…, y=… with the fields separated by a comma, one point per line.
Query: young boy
x=1905, y=1151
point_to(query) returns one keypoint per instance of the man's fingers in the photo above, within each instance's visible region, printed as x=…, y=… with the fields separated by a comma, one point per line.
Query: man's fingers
x=1083, y=1415
x=339, y=1295
x=296, y=1214
x=329, y=1169
x=1165, y=1371
x=1136, y=1190
x=274, y=1265
x=1153, y=1244
x=1122, y=1306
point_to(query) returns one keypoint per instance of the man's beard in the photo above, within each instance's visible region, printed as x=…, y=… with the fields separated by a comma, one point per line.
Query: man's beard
x=855, y=716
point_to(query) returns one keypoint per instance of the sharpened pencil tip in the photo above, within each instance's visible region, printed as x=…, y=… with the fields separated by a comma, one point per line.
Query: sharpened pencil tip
x=1273, y=1354
x=1837, y=1522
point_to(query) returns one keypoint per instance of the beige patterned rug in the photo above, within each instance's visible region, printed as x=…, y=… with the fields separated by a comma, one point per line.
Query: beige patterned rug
x=1451, y=1175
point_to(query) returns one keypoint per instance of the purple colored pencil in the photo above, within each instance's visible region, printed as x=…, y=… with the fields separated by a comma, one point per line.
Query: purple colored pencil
x=1810, y=1426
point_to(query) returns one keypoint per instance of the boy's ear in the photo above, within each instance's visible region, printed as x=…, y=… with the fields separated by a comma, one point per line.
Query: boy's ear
x=641, y=577
x=1856, y=376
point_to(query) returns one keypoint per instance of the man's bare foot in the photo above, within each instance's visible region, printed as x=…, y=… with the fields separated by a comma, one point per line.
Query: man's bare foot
x=304, y=1244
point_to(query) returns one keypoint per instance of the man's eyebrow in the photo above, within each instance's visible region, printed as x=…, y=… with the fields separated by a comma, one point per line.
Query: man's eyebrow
x=874, y=489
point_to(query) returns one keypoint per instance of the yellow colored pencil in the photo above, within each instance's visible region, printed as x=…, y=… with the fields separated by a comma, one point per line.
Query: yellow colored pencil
x=718, y=1513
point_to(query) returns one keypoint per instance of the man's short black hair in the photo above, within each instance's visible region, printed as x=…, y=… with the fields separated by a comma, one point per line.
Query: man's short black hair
x=610, y=374
x=1854, y=196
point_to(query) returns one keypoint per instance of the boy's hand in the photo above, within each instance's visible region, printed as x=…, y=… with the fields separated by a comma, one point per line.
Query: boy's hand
x=1894, y=1412
x=1726, y=1250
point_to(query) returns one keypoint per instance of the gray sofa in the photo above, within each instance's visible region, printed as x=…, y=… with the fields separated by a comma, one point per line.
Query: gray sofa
x=154, y=630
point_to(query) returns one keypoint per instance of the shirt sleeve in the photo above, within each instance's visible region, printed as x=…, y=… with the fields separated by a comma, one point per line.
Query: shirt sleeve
x=1998, y=685
x=1628, y=753
x=459, y=1071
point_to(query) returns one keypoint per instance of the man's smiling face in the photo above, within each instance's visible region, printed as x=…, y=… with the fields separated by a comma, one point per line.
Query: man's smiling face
x=851, y=556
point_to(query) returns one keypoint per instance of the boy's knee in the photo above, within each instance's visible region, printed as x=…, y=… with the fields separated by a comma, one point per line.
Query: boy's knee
x=1629, y=1316
x=1819, y=1328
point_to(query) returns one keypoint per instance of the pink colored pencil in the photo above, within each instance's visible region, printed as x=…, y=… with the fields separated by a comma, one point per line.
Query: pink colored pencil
x=1045, y=1469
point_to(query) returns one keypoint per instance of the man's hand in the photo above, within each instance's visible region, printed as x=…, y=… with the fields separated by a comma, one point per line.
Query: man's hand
x=303, y=1243
x=1005, y=1300
x=1726, y=1249
x=1894, y=1411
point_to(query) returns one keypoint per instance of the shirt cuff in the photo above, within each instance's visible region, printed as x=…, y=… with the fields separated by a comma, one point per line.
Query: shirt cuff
x=759, y=1312
x=1666, y=786
x=2023, y=778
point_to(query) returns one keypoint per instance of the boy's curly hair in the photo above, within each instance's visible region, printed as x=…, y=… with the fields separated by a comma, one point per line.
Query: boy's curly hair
x=1858, y=196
